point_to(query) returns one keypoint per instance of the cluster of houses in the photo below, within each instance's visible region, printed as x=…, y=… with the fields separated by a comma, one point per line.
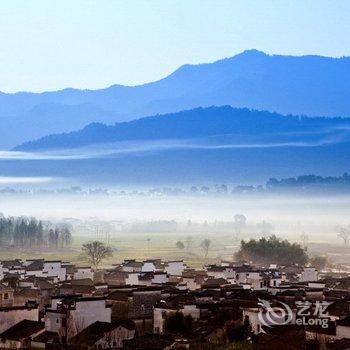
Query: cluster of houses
x=157, y=304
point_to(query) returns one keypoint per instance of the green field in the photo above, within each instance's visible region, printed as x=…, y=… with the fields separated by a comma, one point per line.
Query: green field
x=128, y=245
x=136, y=246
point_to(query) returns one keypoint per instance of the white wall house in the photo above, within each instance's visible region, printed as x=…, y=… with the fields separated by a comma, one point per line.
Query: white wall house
x=309, y=274
x=132, y=279
x=10, y=316
x=83, y=272
x=148, y=266
x=160, y=278
x=55, y=269
x=1, y=272
x=14, y=267
x=175, y=268
x=70, y=316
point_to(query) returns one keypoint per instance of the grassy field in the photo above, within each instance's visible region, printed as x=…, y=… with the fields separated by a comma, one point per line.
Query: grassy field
x=128, y=245
x=137, y=246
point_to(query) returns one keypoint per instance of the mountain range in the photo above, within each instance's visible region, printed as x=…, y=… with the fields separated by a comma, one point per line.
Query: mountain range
x=305, y=85
x=210, y=126
x=202, y=145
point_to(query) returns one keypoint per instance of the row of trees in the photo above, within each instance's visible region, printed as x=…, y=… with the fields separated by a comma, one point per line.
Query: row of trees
x=27, y=232
x=205, y=245
x=308, y=180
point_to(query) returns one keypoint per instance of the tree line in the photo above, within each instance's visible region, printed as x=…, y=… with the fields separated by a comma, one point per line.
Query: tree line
x=28, y=232
x=309, y=180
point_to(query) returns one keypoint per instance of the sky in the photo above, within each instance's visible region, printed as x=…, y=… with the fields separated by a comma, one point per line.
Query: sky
x=50, y=45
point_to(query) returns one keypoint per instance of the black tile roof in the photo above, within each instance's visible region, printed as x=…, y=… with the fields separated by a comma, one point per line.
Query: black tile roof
x=22, y=330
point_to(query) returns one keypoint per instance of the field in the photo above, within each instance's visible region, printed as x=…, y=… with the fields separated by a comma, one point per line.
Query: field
x=134, y=225
x=163, y=245
x=136, y=246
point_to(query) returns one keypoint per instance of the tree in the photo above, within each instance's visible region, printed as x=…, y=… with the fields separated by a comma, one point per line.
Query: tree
x=56, y=236
x=52, y=238
x=205, y=189
x=344, y=234
x=177, y=323
x=272, y=250
x=180, y=245
x=96, y=251
x=205, y=245
x=238, y=331
x=65, y=237
x=27, y=232
x=40, y=234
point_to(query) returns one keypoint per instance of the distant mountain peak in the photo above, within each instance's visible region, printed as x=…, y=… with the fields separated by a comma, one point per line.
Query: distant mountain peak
x=252, y=53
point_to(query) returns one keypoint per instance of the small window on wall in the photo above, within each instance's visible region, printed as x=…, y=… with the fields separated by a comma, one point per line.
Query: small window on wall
x=6, y=296
x=57, y=320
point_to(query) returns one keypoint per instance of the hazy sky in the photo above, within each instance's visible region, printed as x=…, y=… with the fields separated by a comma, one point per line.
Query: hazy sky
x=48, y=45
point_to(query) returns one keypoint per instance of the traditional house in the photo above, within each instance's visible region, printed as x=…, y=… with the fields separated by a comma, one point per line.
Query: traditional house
x=11, y=315
x=6, y=295
x=20, y=335
x=69, y=315
x=104, y=335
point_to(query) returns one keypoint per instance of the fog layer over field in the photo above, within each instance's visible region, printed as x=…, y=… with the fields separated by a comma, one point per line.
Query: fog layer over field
x=290, y=215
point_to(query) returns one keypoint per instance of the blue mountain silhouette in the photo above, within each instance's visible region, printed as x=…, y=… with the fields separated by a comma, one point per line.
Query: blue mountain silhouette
x=213, y=125
x=310, y=85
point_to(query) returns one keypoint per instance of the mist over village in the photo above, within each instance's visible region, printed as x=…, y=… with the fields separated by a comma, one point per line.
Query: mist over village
x=175, y=175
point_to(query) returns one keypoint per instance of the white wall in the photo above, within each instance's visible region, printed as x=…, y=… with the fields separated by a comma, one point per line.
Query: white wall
x=11, y=316
x=175, y=268
x=148, y=267
x=160, y=278
x=87, y=313
x=55, y=269
x=343, y=332
x=132, y=279
x=82, y=273
x=309, y=274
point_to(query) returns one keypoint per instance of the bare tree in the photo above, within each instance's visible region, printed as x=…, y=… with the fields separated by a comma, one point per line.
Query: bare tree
x=96, y=251
x=344, y=234
x=205, y=245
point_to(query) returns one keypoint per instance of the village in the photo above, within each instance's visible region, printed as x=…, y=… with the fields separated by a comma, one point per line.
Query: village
x=155, y=304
